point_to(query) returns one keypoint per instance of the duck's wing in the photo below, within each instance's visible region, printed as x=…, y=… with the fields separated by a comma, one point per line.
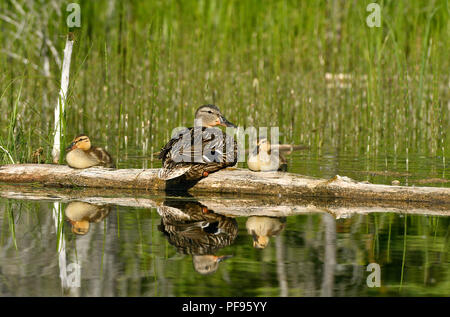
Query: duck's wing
x=197, y=147
x=169, y=154
x=177, y=149
x=219, y=147
x=168, y=172
x=103, y=157
x=166, y=149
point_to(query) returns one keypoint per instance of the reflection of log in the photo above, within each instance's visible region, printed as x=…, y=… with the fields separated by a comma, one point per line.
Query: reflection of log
x=235, y=206
x=226, y=181
x=329, y=257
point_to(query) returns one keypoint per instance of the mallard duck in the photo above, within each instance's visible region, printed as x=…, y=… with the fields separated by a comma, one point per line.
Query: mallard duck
x=266, y=157
x=262, y=228
x=199, y=151
x=194, y=229
x=81, y=214
x=80, y=154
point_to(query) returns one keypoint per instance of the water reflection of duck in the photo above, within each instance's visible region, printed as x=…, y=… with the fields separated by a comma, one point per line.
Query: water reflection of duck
x=267, y=157
x=207, y=264
x=81, y=154
x=262, y=228
x=195, y=230
x=81, y=214
x=180, y=156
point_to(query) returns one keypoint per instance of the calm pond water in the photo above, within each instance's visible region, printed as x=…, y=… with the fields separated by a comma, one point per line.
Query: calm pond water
x=185, y=249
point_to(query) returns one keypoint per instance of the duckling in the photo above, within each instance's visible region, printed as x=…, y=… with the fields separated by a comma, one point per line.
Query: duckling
x=267, y=157
x=199, y=151
x=80, y=154
x=262, y=158
x=81, y=214
x=262, y=228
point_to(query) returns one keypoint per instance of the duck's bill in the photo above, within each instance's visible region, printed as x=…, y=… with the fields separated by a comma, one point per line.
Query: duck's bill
x=70, y=147
x=224, y=122
x=223, y=257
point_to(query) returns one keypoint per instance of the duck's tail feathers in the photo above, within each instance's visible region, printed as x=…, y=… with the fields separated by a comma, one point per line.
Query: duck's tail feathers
x=170, y=173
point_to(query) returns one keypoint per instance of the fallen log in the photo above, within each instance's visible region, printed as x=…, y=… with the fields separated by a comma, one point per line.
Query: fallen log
x=227, y=205
x=236, y=181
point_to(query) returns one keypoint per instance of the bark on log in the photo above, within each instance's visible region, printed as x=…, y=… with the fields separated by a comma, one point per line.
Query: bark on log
x=241, y=206
x=236, y=181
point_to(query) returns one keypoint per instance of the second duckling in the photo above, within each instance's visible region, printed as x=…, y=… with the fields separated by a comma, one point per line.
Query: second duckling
x=266, y=157
x=263, y=158
x=262, y=228
x=81, y=154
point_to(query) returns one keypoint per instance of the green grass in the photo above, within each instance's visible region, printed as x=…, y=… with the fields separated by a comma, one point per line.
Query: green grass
x=140, y=69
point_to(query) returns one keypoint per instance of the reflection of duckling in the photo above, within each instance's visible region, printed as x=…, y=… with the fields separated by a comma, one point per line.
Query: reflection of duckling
x=267, y=157
x=80, y=154
x=193, y=229
x=262, y=228
x=81, y=214
x=181, y=155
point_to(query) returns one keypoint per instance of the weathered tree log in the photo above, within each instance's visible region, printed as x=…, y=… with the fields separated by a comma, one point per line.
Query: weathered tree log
x=227, y=205
x=240, y=181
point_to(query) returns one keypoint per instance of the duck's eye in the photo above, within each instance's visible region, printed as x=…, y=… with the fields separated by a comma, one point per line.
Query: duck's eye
x=209, y=111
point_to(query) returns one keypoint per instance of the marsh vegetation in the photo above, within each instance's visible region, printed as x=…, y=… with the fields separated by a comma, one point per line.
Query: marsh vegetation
x=377, y=98
x=370, y=103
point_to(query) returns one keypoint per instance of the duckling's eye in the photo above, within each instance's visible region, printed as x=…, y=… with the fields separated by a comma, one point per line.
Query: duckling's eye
x=209, y=111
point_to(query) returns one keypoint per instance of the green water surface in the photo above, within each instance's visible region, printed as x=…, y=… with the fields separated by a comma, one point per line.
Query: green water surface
x=126, y=253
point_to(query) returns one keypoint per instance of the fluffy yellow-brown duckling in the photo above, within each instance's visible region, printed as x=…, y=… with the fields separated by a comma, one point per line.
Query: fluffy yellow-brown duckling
x=81, y=214
x=266, y=157
x=262, y=228
x=81, y=154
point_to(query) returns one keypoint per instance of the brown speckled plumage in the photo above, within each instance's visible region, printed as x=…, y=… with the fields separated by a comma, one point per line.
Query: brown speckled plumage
x=193, y=229
x=199, y=151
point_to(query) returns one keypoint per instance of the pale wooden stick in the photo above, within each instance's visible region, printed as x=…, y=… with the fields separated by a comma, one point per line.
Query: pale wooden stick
x=59, y=109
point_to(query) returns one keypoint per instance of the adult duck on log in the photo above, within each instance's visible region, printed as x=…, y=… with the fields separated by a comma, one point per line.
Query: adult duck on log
x=201, y=150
